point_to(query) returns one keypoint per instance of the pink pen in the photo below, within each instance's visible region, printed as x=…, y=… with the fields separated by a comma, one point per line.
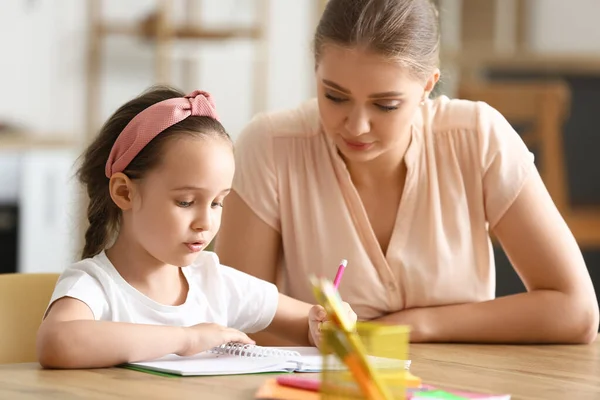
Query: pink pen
x=340, y=272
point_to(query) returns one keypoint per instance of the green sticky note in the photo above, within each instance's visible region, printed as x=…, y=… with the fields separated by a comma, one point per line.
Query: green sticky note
x=436, y=394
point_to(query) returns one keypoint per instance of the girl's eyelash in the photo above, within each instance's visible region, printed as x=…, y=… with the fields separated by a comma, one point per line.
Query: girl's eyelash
x=186, y=204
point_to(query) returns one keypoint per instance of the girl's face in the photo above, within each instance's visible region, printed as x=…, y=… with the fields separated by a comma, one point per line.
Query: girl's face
x=366, y=102
x=177, y=210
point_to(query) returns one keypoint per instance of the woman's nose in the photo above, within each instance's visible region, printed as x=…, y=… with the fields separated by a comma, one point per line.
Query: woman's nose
x=357, y=122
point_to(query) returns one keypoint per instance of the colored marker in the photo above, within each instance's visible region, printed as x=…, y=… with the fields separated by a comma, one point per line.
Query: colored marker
x=340, y=272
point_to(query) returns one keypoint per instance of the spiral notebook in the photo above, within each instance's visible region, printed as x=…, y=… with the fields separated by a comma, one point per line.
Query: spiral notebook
x=238, y=359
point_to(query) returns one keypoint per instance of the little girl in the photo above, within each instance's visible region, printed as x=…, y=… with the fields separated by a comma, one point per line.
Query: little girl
x=156, y=177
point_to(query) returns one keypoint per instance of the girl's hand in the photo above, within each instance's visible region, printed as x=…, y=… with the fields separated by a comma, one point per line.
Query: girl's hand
x=202, y=337
x=316, y=316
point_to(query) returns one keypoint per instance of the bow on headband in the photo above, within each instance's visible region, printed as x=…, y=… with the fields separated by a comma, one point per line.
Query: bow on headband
x=153, y=120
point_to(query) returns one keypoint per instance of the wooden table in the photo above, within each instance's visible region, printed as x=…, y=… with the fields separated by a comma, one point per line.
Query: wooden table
x=526, y=372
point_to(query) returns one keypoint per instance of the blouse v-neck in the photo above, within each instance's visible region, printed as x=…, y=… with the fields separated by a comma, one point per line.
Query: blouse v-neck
x=382, y=261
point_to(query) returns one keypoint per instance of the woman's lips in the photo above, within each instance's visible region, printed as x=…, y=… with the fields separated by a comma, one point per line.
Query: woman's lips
x=359, y=146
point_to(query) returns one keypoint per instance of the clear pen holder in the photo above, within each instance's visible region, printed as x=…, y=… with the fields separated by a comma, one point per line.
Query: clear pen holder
x=386, y=348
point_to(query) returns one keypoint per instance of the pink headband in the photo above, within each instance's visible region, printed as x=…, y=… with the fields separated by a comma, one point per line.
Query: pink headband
x=153, y=120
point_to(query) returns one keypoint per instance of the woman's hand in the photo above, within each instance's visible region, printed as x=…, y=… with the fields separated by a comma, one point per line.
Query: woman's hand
x=202, y=337
x=317, y=315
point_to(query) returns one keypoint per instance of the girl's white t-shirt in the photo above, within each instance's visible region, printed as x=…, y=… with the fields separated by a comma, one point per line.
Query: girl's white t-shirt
x=217, y=294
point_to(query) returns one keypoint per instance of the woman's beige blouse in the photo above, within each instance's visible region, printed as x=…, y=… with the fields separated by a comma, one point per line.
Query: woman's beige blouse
x=466, y=165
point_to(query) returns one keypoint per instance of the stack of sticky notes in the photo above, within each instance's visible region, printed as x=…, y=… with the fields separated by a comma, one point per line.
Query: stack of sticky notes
x=430, y=392
x=293, y=387
x=271, y=390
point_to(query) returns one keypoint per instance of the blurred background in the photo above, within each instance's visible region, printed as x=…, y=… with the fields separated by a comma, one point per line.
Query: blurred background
x=66, y=65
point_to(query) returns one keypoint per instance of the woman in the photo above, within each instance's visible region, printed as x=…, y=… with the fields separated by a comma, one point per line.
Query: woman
x=407, y=189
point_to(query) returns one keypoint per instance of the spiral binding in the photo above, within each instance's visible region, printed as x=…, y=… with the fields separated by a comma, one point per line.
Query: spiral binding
x=250, y=350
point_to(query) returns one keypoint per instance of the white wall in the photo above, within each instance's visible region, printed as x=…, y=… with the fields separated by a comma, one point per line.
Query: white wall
x=43, y=43
x=554, y=26
x=42, y=68
x=41, y=71
x=565, y=26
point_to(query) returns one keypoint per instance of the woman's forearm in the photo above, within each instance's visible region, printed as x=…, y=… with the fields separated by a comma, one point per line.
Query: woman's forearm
x=541, y=316
x=96, y=344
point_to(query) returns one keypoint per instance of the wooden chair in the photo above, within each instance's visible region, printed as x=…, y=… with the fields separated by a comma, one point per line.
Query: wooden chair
x=541, y=107
x=23, y=301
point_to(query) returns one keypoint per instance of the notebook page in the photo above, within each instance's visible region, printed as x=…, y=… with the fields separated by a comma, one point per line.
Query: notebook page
x=305, y=359
x=214, y=364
